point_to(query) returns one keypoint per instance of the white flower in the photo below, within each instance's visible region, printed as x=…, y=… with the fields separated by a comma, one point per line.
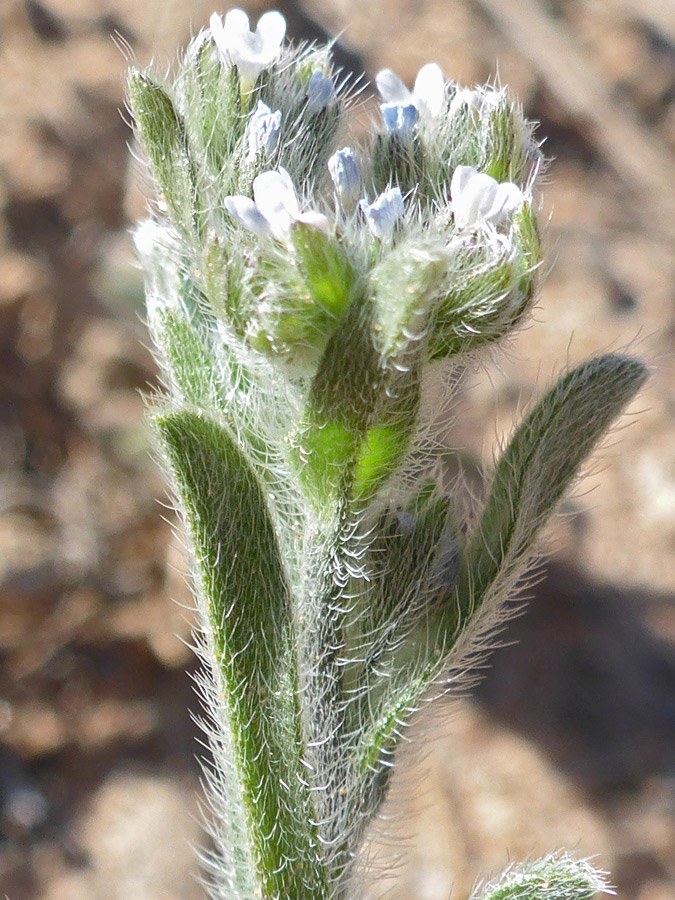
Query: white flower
x=344, y=170
x=427, y=96
x=262, y=131
x=274, y=208
x=384, y=212
x=477, y=199
x=250, y=52
x=320, y=91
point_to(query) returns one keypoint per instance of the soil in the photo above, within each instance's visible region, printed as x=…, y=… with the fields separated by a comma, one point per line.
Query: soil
x=569, y=739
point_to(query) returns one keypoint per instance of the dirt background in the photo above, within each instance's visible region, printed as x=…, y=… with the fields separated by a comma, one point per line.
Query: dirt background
x=570, y=738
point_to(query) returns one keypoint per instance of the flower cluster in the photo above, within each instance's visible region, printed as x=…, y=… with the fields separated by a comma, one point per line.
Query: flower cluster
x=437, y=198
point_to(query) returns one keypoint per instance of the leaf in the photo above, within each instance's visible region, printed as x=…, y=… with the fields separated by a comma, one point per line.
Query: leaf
x=164, y=137
x=537, y=467
x=241, y=581
x=188, y=359
x=539, y=464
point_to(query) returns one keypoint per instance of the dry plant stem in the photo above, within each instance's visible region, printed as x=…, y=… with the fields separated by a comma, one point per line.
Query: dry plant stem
x=299, y=293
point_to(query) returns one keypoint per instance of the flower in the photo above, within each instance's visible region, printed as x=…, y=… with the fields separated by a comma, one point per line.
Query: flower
x=427, y=96
x=344, y=170
x=250, y=52
x=384, y=212
x=274, y=208
x=399, y=118
x=477, y=199
x=320, y=91
x=262, y=131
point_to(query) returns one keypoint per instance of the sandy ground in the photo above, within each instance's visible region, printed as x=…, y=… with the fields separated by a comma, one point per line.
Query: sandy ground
x=569, y=740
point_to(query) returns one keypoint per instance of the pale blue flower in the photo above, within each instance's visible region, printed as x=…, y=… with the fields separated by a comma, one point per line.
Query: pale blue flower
x=399, y=118
x=251, y=52
x=320, y=91
x=384, y=212
x=274, y=208
x=476, y=199
x=345, y=172
x=262, y=131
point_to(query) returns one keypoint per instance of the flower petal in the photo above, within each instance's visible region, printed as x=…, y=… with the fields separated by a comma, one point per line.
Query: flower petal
x=276, y=199
x=472, y=196
x=345, y=172
x=399, y=118
x=508, y=199
x=391, y=88
x=218, y=35
x=271, y=29
x=236, y=24
x=245, y=211
x=429, y=90
x=463, y=99
x=460, y=181
x=320, y=91
x=262, y=130
x=315, y=220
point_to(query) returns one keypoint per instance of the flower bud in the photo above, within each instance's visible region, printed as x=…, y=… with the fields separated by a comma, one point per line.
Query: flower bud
x=491, y=286
x=320, y=92
x=262, y=131
x=383, y=213
x=344, y=170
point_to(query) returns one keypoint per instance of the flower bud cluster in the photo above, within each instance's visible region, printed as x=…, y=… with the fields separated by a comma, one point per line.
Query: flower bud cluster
x=249, y=149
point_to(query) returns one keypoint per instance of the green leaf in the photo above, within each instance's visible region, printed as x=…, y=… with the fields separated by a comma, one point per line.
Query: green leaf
x=188, y=359
x=359, y=395
x=252, y=633
x=537, y=467
x=325, y=270
x=162, y=132
x=509, y=148
x=540, y=462
x=306, y=288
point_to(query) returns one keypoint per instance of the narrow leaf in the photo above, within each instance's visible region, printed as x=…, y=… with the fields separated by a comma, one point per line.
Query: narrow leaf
x=164, y=137
x=243, y=584
x=538, y=466
x=188, y=359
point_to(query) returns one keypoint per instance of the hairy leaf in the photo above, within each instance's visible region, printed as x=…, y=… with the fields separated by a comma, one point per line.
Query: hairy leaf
x=242, y=581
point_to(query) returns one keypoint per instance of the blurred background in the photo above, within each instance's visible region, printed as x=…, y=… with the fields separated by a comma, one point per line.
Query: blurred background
x=570, y=738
